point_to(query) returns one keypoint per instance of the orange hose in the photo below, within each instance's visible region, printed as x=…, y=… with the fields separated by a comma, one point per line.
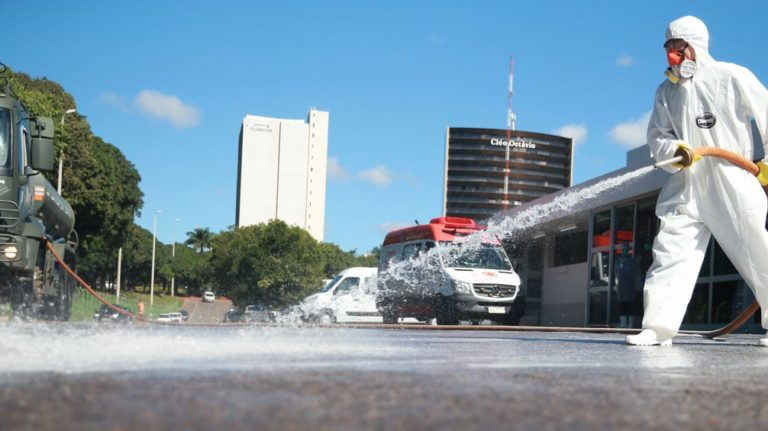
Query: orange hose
x=752, y=168
x=736, y=159
x=84, y=284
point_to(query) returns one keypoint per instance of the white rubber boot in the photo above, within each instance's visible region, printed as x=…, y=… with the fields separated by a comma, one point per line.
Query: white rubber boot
x=763, y=341
x=648, y=337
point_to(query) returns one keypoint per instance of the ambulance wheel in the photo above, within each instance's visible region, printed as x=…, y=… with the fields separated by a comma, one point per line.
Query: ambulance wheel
x=389, y=318
x=326, y=319
x=510, y=320
x=445, y=310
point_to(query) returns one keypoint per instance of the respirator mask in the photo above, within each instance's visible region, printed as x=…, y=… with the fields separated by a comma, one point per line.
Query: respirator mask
x=680, y=67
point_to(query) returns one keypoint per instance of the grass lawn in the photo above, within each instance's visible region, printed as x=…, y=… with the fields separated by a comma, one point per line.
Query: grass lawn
x=85, y=304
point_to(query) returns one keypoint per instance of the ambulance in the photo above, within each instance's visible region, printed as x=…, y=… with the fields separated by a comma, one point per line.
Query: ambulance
x=447, y=270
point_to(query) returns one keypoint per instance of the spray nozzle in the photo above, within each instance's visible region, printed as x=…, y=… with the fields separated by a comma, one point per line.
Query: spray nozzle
x=671, y=161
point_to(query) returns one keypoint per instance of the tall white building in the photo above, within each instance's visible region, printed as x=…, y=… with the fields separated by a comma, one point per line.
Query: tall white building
x=282, y=171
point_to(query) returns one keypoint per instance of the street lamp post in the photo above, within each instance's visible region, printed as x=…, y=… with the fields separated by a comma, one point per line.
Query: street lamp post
x=152, y=276
x=61, y=156
x=173, y=253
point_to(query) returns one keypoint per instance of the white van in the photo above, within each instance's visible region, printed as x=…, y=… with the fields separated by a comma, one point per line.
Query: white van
x=348, y=297
x=435, y=271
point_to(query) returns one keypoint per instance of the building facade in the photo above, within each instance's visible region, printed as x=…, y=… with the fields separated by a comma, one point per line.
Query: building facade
x=490, y=170
x=282, y=171
x=584, y=252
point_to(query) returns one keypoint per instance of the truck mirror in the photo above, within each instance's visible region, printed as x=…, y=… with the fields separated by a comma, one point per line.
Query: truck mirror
x=41, y=151
x=41, y=127
x=41, y=154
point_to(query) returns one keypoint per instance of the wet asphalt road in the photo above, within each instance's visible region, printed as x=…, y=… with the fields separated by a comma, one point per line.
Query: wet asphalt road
x=265, y=378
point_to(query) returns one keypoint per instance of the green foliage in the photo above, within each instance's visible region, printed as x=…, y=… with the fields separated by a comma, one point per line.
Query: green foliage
x=369, y=259
x=269, y=263
x=189, y=268
x=335, y=259
x=199, y=239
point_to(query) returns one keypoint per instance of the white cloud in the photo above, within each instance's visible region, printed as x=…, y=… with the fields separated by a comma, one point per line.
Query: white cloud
x=577, y=132
x=168, y=108
x=379, y=176
x=625, y=60
x=631, y=134
x=335, y=170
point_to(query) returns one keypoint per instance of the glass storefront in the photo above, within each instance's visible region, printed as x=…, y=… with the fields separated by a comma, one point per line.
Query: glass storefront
x=621, y=239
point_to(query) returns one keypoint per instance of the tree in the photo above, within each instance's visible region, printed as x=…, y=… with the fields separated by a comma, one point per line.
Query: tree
x=199, y=239
x=137, y=257
x=190, y=268
x=369, y=259
x=335, y=259
x=100, y=184
x=271, y=263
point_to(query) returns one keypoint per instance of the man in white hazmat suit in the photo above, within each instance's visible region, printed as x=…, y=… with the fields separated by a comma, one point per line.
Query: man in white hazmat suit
x=704, y=103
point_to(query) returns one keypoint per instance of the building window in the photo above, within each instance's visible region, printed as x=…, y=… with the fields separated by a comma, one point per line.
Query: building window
x=571, y=248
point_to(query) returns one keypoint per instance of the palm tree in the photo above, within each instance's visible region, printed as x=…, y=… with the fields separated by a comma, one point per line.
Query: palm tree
x=199, y=239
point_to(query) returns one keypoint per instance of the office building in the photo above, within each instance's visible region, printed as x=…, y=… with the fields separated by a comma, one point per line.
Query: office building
x=282, y=171
x=490, y=170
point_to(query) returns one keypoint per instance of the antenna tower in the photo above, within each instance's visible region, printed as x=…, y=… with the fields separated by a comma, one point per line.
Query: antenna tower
x=510, y=127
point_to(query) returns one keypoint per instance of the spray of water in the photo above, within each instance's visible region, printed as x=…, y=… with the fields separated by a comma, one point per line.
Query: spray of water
x=562, y=205
x=413, y=279
x=408, y=274
x=85, y=348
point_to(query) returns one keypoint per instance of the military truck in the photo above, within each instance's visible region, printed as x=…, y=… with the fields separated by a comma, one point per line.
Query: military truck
x=32, y=215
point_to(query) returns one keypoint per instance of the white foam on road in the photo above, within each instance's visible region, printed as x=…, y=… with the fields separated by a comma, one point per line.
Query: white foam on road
x=28, y=347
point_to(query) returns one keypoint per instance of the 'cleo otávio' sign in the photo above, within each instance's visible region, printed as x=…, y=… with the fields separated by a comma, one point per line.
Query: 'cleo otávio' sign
x=513, y=143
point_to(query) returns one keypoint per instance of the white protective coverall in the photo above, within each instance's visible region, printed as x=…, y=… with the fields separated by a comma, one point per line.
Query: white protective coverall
x=712, y=196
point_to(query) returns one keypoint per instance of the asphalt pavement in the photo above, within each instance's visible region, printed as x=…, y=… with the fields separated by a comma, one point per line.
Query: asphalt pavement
x=206, y=312
x=300, y=378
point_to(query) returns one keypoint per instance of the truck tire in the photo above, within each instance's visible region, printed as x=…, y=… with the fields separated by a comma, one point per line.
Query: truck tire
x=510, y=320
x=52, y=276
x=63, y=302
x=516, y=312
x=326, y=318
x=389, y=318
x=445, y=310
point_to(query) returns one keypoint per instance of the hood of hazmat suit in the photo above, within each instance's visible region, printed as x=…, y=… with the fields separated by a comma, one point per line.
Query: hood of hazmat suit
x=714, y=108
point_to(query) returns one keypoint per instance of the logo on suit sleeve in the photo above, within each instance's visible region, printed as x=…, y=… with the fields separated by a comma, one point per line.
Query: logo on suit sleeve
x=706, y=120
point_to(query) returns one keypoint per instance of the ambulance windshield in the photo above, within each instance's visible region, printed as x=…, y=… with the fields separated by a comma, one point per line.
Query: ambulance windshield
x=485, y=256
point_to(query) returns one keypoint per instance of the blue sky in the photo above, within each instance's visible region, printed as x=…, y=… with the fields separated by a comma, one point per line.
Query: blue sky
x=169, y=82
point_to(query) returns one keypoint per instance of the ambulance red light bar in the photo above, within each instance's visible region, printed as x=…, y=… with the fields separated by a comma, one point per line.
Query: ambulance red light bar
x=456, y=223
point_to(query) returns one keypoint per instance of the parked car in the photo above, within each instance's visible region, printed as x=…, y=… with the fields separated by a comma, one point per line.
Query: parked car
x=164, y=317
x=105, y=313
x=184, y=315
x=208, y=296
x=259, y=313
x=233, y=315
x=176, y=317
